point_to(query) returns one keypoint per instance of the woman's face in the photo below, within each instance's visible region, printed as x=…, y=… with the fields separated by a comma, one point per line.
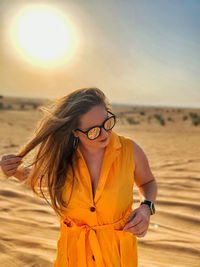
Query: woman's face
x=95, y=116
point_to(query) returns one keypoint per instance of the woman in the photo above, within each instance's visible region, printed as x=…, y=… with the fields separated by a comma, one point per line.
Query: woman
x=88, y=171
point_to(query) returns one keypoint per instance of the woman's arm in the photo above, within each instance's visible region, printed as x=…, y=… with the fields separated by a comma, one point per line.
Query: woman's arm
x=144, y=178
x=139, y=219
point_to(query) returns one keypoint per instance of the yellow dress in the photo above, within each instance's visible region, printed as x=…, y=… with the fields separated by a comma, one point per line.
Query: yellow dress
x=91, y=231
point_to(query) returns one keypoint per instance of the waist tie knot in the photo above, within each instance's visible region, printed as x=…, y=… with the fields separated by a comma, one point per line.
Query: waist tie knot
x=126, y=241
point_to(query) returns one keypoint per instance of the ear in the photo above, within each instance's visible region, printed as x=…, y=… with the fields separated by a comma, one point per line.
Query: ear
x=74, y=133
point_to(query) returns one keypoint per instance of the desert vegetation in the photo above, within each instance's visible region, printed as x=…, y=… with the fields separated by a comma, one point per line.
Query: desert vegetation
x=195, y=118
x=160, y=116
x=20, y=103
x=126, y=114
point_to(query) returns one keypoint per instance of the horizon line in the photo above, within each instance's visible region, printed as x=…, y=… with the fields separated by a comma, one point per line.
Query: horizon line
x=112, y=103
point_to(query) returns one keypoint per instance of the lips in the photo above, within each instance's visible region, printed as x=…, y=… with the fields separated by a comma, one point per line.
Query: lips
x=103, y=140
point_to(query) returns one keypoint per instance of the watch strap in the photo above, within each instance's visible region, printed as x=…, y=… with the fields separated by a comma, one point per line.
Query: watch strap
x=150, y=204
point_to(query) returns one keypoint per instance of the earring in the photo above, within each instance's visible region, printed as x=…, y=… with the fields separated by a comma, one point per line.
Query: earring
x=75, y=142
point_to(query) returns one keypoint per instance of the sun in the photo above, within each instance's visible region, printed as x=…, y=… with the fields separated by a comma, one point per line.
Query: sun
x=43, y=35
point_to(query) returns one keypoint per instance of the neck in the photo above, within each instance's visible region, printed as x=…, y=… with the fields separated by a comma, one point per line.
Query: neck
x=91, y=151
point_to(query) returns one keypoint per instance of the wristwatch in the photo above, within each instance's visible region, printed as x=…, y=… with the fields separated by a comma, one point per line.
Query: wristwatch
x=150, y=204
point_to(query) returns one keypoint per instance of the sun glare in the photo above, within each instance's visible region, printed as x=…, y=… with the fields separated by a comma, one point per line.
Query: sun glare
x=43, y=35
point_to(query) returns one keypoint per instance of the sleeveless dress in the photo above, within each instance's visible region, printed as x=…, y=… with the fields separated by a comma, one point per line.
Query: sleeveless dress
x=91, y=229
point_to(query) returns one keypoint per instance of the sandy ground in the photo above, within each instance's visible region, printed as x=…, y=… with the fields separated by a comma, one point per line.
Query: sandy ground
x=29, y=228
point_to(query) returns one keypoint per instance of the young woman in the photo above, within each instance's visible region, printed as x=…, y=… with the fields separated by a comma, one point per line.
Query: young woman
x=88, y=171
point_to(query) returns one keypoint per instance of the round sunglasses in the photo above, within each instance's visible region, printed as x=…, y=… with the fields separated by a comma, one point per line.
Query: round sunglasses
x=95, y=131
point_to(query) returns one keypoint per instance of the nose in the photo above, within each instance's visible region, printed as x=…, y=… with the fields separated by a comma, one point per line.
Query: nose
x=104, y=133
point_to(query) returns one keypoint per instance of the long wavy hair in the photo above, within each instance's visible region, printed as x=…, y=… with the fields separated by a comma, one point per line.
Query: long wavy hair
x=53, y=140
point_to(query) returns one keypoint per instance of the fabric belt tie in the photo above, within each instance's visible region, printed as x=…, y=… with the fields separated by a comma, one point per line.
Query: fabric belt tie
x=126, y=243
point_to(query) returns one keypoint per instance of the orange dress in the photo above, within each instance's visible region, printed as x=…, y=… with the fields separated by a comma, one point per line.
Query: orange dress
x=91, y=231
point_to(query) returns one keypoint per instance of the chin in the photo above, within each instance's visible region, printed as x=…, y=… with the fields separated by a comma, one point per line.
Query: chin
x=104, y=143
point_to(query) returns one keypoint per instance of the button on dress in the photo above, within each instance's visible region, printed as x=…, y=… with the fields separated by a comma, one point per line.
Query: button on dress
x=91, y=229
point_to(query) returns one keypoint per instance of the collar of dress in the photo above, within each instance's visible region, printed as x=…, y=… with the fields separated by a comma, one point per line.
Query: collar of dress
x=113, y=145
x=111, y=153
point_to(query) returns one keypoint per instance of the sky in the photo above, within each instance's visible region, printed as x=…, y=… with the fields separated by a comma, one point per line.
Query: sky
x=142, y=52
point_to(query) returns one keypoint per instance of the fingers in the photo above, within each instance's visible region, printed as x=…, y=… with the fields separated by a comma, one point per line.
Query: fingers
x=9, y=164
x=11, y=172
x=142, y=234
x=132, y=222
x=139, y=230
x=139, y=223
x=133, y=213
x=11, y=157
x=139, y=227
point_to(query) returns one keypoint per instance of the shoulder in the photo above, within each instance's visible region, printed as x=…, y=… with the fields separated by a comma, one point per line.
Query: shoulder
x=139, y=154
x=126, y=140
x=137, y=151
x=143, y=173
x=128, y=144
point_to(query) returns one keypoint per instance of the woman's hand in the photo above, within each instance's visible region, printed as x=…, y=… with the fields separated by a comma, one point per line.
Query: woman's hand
x=9, y=164
x=138, y=221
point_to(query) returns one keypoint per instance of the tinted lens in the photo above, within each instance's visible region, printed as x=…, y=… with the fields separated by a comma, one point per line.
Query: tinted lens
x=108, y=125
x=94, y=132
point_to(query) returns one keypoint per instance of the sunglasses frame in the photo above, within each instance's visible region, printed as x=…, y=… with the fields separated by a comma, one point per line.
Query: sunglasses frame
x=97, y=126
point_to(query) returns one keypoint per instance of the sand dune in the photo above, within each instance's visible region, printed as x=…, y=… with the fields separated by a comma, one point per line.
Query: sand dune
x=29, y=228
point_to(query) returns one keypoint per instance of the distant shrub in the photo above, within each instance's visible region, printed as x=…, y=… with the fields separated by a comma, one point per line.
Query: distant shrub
x=35, y=106
x=193, y=115
x=170, y=119
x=185, y=118
x=1, y=105
x=196, y=121
x=142, y=113
x=160, y=119
x=195, y=118
x=132, y=121
x=179, y=110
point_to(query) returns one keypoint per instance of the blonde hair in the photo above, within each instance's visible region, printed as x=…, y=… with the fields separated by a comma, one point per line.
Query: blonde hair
x=53, y=139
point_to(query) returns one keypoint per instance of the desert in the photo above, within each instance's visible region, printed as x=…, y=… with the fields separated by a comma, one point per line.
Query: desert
x=170, y=137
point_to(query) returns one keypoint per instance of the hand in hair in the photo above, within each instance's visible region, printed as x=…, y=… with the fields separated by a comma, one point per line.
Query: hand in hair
x=10, y=167
x=9, y=164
